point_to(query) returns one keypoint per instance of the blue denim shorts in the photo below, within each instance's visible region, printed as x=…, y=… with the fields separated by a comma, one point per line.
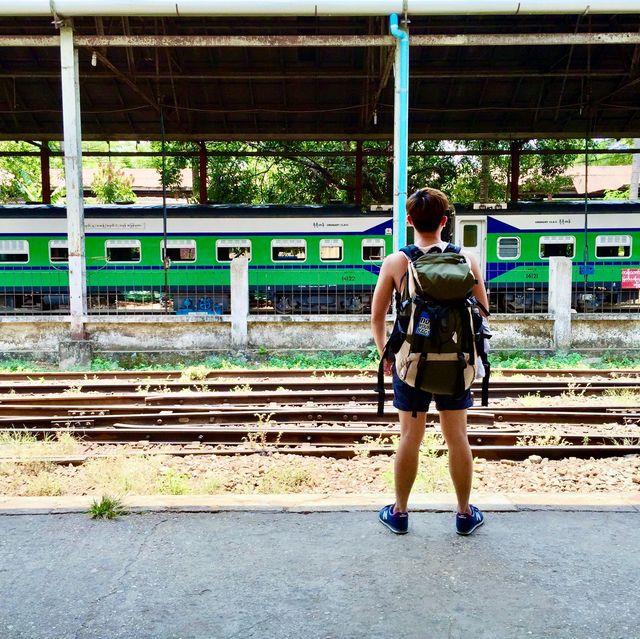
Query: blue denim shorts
x=408, y=398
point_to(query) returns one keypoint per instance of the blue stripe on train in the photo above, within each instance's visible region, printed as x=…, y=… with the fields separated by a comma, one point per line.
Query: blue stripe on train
x=371, y=268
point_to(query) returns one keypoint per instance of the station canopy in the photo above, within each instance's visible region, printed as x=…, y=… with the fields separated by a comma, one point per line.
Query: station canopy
x=463, y=82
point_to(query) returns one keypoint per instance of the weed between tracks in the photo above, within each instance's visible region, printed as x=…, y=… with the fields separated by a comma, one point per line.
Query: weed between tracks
x=433, y=469
x=107, y=508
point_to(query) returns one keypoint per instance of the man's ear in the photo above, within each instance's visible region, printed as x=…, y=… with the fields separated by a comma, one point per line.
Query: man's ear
x=443, y=221
x=409, y=221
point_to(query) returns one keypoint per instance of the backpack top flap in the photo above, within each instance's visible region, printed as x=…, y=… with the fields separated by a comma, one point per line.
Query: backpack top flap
x=442, y=276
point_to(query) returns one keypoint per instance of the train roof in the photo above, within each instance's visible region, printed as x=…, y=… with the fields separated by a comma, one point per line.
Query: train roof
x=559, y=207
x=194, y=210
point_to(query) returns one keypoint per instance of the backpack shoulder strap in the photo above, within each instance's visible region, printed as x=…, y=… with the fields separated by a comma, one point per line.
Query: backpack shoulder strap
x=412, y=252
x=452, y=248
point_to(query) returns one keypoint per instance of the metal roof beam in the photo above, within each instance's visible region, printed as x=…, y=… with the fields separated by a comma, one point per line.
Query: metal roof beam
x=435, y=40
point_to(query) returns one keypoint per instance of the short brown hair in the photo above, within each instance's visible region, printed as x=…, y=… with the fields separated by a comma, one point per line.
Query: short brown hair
x=427, y=207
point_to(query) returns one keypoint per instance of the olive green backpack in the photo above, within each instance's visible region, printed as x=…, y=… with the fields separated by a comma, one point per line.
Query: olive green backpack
x=433, y=342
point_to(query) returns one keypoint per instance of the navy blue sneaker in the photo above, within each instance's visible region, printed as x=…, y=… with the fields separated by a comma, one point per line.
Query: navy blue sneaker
x=466, y=524
x=397, y=523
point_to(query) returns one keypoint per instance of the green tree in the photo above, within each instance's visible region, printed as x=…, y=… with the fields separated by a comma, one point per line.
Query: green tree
x=19, y=176
x=540, y=174
x=300, y=175
x=111, y=185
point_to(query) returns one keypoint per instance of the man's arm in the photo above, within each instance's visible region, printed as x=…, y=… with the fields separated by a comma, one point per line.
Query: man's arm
x=381, y=301
x=478, y=291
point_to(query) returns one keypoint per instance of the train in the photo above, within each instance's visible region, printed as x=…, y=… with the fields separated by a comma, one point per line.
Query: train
x=306, y=258
x=514, y=244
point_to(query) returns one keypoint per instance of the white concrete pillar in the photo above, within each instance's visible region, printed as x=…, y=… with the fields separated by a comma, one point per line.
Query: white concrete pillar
x=239, y=302
x=560, y=281
x=635, y=172
x=73, y=179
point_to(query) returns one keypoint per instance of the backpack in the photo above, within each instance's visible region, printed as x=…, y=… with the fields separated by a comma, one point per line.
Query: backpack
x=437, y=328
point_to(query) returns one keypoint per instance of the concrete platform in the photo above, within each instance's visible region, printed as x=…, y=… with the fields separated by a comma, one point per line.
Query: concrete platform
x=210, y=575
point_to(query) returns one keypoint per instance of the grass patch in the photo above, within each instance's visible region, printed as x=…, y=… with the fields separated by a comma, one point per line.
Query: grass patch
x=529, y=400
x=211, y=484
x=123, y=474
x=623, y=396
x=44, y=483
x=285, y=480
x=546, y=439
x=107, y=508
x=24, y=445
x=172, y=482
x=527, y=361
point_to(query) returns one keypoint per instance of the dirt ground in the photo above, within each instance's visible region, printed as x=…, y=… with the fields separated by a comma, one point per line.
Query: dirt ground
x=134, y=472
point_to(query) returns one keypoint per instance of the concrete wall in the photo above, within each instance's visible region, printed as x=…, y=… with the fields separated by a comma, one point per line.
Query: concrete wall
x=601, y=332
x=197, y=335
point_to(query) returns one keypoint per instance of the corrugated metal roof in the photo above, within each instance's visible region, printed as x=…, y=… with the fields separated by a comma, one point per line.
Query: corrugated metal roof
x=328, y=92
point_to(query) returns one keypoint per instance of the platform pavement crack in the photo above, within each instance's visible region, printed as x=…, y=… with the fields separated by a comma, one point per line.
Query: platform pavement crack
x=243, y=632
x=123, y=573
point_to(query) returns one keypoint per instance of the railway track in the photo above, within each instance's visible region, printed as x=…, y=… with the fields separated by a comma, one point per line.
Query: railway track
x=203, y=374
x=329, y=415
x=356, y=389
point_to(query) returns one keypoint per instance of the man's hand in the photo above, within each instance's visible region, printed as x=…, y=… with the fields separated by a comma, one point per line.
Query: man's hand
x=387, y=366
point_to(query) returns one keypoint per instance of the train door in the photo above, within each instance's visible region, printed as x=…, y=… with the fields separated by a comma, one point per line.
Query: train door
x=471, y=235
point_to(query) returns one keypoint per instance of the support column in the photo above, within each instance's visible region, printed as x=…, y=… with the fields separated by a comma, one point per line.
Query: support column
x=515, y=147
x=560, y=281
x=45, y=173
x=204, y=198
x=239, y=302
x=635, y=172
x=73, y=178
x=358, y=194
x=400, y=132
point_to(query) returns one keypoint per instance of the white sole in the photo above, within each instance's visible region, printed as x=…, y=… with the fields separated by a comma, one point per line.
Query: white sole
x=470, y=531
x=393, y=530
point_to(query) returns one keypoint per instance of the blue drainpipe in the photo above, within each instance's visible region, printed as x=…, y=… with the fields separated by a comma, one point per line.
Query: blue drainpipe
x=400, y=133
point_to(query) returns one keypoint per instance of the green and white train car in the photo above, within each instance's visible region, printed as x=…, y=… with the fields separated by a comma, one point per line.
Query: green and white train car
x=308, y=258
x=514, y=246
x=301, y=258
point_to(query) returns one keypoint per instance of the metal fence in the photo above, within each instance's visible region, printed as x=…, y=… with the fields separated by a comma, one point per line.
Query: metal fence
x=127, y=290
x=315, y=290
x=28, y=290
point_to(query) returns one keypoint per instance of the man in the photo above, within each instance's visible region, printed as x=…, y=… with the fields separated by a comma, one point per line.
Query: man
x=427, y=212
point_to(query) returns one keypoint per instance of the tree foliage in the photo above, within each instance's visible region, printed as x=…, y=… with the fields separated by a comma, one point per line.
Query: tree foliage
x=111, y=185
x=300, y=175
x=19, y=176
x=540, y=174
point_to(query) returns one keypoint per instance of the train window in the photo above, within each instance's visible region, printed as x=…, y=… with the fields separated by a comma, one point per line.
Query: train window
x=331, y=250
x=288, y=250
x=16, y=251
x=179, y=250
x=508, y=248
x=58, y=251
x=610, y=247
x=470, y=235
x=373, y=250
x=227, y=250
x=557, y=246
x=123, y=250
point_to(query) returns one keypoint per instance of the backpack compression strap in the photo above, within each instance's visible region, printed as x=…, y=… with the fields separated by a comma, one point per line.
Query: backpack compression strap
x=380, y=387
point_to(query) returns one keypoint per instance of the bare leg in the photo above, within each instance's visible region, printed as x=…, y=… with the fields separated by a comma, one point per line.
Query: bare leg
x=454, y=429
x=406, y=462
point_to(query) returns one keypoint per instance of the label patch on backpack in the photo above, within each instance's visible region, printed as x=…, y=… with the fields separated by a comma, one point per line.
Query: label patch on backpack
x=424, y=325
